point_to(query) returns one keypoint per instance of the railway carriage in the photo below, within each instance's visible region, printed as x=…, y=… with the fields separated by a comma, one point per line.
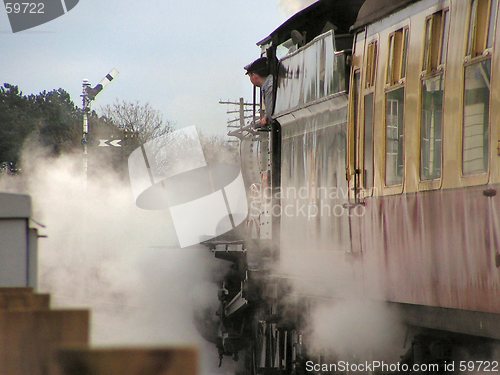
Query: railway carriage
x=423, y=156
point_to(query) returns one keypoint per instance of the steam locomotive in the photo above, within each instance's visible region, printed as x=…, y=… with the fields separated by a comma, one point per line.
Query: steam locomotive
x=377, y=181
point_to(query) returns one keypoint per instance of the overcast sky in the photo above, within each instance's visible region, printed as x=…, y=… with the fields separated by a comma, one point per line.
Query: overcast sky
x=180, y=56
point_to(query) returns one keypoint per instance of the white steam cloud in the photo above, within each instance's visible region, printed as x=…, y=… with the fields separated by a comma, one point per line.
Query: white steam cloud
x=345, y=321
x=104, y=253
x=289, y=7
x=359, y=329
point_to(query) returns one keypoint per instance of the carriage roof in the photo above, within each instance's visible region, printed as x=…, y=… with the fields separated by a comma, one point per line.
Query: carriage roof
x=374, y=10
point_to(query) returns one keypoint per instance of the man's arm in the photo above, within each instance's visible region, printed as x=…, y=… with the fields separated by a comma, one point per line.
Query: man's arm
x=268, y=100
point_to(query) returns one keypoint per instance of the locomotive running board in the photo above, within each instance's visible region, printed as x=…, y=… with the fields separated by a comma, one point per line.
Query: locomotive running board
x=465, y=322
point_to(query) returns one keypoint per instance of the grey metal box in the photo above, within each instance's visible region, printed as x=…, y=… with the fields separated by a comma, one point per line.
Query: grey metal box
x=18, y=258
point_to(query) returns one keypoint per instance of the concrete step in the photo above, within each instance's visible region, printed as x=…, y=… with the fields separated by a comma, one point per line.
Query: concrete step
x=24, y=301
x=16, y=291
x=32, y=335
x=127, y=361
x=29, y=339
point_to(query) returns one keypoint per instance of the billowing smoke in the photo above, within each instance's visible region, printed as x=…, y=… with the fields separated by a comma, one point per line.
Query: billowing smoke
x=290, y=7
x=343, y=322
x=123, y=263
x=357, y=329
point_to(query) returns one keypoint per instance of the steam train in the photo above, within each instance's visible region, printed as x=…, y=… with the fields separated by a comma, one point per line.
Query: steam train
x=377, y=181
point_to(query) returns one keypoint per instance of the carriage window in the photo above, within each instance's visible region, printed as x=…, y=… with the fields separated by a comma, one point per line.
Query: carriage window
x=476, y=117
x=356, y=88
x=394, y=107
x=371, y=65
x=390, y=63
x=398, y=48
x=394, y=118
x=404, y=54
x=428, y=44
x=431, y=127
x=436, y=41
x=492, y=20
x=368, y=116
x=446, y=33
x=475, y=134
x=355, y=101
x=481, y=33
x=368, y=141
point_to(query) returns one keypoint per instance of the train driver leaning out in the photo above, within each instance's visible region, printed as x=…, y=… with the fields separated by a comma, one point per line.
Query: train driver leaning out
x=259, y=74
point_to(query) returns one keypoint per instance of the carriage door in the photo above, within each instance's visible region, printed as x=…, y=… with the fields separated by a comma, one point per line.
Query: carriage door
x=353, y=170
x=361, y=130
x=353, y=175
x=360, y=165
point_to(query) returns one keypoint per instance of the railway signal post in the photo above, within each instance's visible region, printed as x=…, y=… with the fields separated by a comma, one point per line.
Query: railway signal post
x=88, y=95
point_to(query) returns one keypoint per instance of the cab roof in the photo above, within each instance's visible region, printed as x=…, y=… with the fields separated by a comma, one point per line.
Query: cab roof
x=341, y=13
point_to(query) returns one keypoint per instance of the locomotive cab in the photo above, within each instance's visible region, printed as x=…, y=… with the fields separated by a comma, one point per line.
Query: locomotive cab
x=283, y=170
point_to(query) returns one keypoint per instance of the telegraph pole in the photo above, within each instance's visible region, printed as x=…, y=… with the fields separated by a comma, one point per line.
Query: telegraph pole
x=88, y=95
x=245, y=112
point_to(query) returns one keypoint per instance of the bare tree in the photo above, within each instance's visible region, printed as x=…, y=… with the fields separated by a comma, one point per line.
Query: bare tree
x=138, y=118
x=218, y=150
